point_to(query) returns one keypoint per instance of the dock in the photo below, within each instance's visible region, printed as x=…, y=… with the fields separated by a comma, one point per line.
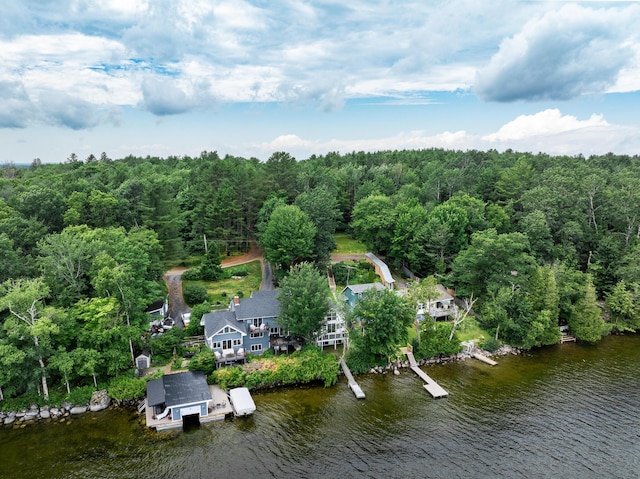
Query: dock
x=431, y=386
x=484, y=359
x=353, y=385
x=565, y=338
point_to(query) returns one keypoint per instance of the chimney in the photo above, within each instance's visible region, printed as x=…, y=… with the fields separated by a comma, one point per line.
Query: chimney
x=236, y=300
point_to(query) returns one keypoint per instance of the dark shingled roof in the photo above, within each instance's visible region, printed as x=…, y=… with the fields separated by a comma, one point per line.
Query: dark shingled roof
x=155, y=392
x=261, y=304
x=180, y=388
x=216, y=320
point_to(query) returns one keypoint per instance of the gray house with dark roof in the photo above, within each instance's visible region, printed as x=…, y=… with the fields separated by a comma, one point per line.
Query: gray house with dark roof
x=178, y=395
x=244, y=328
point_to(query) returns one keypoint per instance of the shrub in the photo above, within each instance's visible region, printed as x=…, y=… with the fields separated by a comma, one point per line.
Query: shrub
x=492, y=344
x=204, y=361
x=163, y=345
x=80, y=396
x=435, y=340
x=241, y=270
x=194, y=294
x=123, y=388
x=193, y=274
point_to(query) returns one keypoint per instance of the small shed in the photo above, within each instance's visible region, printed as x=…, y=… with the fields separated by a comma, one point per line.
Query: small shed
x=143, y=360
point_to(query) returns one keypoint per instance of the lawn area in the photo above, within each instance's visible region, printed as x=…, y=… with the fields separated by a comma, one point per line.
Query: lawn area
x=221, y=292
x=470, y=329
x=348, y=245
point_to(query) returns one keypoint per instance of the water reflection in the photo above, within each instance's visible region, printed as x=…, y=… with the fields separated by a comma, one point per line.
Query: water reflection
x=569, y=410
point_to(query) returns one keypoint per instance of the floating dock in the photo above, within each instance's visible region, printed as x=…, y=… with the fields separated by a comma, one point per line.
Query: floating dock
x=431, y=386
x=484, y=359
x=353, y=385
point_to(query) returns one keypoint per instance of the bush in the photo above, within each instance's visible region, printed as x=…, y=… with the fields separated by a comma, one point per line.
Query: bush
x=163, y=345
x=204, y=361
x=492, y=344
x=194, y=294
x=80, y=396
x=435, y=340
x=124, y=388
x=241, y=270
x=192, y=274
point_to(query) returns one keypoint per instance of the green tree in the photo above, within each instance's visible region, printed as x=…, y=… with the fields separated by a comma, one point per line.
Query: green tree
x=211, y=269
x=195, y=293
x=288, y=237
x=304, y=301
x=30, y=319
x=492, y=261
x=586, y=321
x=383, y=317
x=62, y=362
x=623, y=308
x=372, y=222
x=321, y=206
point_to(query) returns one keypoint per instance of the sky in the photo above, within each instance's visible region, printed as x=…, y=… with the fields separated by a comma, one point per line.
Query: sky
x=252, y=77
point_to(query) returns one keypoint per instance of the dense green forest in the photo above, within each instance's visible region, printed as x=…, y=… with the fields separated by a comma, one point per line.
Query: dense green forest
x=537, y=240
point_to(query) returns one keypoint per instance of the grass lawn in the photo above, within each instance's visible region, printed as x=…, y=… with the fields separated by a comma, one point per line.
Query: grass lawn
x=470, y=329
x=221, y=292
x=348, y=245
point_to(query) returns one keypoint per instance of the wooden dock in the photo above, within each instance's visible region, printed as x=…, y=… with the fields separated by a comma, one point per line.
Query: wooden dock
x=484, y=359
x=565, y=338
x=353, y=385
x=431, y=386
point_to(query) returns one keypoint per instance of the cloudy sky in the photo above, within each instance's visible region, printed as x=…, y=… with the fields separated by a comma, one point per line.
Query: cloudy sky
x=250, y=77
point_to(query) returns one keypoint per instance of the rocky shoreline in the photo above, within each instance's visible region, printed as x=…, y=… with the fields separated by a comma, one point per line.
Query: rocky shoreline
x=100, y=399
x=20, y=419
x=463, y=356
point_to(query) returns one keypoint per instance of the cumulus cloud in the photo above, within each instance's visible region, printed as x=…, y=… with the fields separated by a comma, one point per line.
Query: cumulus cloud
x=63, y=109
x=544, y=123
x=16, y=108
x=547, y=131
x=167, y=97
x=561, y=55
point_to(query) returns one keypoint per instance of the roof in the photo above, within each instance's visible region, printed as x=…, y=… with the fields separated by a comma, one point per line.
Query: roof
x=156, y=305
x=384, y=269
x=242, y=401
x=361, y=288
x=444, y=294
x=261, y=304
x=155, y=392
x=184, y=388
x=216, y=320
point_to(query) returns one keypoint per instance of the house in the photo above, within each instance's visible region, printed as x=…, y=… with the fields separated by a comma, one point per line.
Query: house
x=353, y=292
x=176, y=396
x=158, y=309
x=334, y=330
x=246, y=327
x=381, y=270
x=441, y=307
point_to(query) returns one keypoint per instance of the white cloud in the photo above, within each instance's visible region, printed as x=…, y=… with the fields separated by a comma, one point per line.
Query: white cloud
x=548, y=131
x=544, y=123
x=563, y=54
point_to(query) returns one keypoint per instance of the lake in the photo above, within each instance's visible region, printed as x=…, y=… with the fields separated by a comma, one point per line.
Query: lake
x=570, y=411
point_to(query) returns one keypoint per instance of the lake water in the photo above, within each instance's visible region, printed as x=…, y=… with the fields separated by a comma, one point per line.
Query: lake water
x=570, y=411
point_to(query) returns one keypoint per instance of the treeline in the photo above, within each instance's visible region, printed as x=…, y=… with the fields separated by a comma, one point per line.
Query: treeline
x=538, y=240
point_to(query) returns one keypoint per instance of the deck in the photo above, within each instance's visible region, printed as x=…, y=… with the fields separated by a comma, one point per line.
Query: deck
x=353, y=385
x=431, y=386
x=218, y=410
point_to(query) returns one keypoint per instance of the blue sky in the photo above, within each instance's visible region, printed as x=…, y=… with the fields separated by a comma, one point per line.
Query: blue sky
x=250, y=77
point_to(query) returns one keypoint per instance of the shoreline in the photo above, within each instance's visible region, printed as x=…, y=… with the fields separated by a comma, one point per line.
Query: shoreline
x=37, y=414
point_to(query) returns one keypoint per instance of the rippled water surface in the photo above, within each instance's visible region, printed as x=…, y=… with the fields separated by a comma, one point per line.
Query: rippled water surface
x=565, y=411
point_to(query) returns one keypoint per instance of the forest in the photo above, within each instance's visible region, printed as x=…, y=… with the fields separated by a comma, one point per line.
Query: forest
x=535, y=240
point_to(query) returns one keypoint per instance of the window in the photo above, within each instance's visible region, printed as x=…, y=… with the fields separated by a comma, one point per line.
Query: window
x=256, y=335
x=275, y=331
x=217, y=345
x=227, y=344
x=227, y=330
x=237, y=342
x=331, y=327
x=256, y=322
x=256, y=347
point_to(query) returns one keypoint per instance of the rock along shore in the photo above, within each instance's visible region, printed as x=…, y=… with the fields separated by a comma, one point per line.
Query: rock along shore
x=19, y=419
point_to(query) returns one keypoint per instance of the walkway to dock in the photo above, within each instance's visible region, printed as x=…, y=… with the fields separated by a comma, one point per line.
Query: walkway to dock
x=353, y=385
x=431, y=386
